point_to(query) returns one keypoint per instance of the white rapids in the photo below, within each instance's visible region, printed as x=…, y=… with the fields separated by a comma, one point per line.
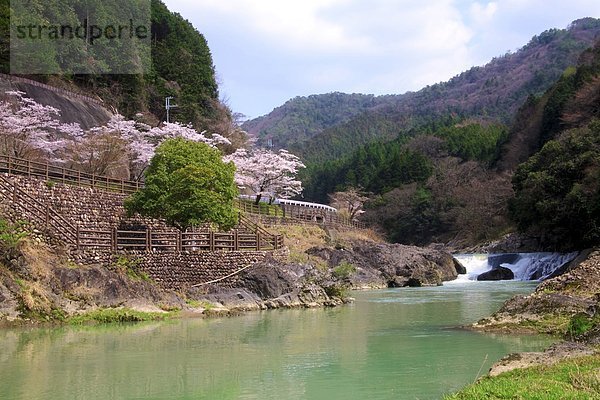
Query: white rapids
x=525, y=266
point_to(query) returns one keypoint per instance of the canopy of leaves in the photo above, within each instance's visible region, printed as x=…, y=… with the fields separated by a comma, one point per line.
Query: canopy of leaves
x=265, y=173
x=181, y=64
x=187, y=184
x=474, y=142
x=558, y=189
x=380, y=167
x=301, y=118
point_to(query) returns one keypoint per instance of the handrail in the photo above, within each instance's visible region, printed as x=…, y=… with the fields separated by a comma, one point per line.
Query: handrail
x=53, y=88
x=29, y=168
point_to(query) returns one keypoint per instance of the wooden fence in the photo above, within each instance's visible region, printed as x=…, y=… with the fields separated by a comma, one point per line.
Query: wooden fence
x=68, y=93
x=176, y=241
x=19, y=166
x=284, y=212
x=114, y=240
x=291, y=214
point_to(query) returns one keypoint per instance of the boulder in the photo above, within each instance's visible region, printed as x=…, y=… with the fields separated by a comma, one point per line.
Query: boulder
x=497, y=274
x=391, y=265
x=460, y=269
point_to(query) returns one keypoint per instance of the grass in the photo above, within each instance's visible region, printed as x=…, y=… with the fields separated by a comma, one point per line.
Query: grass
x=130, y=267
x=117, y=315
x=572, y=379
x=200, y=304
x=344, y=271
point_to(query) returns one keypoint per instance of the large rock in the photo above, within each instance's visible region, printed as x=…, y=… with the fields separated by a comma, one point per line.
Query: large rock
x=460, y=269
x=497, y=274
x=391, y=265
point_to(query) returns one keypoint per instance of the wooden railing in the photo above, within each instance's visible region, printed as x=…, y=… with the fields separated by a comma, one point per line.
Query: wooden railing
x=286, y=214
x=29, y=168
x=68, y=93
x=115, y=240
x=176, y=241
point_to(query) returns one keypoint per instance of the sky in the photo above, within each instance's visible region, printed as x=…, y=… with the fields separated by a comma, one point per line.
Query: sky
x=266, y=52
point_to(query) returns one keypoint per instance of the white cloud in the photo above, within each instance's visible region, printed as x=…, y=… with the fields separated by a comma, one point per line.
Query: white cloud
x=268, y=51
x=482, y=14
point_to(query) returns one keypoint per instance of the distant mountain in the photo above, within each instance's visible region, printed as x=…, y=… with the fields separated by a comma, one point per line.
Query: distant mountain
x=332, y=125
x=301, y=118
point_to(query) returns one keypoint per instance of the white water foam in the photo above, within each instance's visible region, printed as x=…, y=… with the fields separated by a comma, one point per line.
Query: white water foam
x=476, y=264
x=525, y=266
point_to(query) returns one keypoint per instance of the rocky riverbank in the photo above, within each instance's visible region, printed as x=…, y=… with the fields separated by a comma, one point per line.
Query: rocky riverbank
x=39, y=283
x=565, y=306
x=555, y=302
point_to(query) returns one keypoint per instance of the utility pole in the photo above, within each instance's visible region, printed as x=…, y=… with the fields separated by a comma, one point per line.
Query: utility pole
x=169, y=106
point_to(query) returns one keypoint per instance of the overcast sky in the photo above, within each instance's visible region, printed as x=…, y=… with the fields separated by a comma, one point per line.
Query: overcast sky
x=268, y=51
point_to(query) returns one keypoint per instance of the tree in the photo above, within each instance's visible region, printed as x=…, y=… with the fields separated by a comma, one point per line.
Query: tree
x=266, y=173
x=557, y=191
x=349, y=202
x=28, y=128
x=103, y=148
x=187, y=184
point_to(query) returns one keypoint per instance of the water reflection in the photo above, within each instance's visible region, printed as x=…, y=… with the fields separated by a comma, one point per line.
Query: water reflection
x=394, y=344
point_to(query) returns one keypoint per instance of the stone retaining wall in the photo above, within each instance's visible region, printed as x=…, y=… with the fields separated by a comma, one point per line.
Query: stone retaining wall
x=94, y=209
x=87, y=207
x=182, y=270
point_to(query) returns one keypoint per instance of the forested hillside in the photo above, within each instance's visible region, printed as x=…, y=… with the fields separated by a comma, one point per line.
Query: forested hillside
x=452, y=180
x=492, y=92
x=181, y=66
x=302, y=118
x=557, y=191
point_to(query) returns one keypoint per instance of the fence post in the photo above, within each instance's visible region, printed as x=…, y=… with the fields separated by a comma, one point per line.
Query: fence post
x=9, y=169
x=179, y=241
x=211, y=240
x=76, y=239
x=257, y=241
x=148, y=240
x=114, y=239
x=236, y=241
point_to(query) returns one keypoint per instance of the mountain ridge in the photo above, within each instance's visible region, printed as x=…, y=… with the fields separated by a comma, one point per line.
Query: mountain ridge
x=495, y=91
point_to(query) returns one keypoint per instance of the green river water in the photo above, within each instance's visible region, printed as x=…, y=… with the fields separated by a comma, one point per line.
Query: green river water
x=390, y=344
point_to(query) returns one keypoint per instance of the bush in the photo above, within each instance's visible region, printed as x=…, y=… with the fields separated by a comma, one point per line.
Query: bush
x=187, y=184
x=11, y=238
x=344, y=271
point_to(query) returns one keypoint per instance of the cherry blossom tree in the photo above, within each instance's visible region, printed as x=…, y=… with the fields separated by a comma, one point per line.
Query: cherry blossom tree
x=267, y=174
x=121, y=148
x=28, y=128
x=106, y=144
x=349, y=203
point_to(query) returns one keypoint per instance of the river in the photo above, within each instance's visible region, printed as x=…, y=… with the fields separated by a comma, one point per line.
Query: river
x=390, y=344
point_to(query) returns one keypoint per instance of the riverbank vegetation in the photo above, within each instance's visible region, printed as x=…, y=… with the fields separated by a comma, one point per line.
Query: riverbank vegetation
x=570, y=379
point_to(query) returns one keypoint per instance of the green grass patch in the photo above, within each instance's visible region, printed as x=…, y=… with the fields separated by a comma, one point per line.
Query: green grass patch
x=549, y=324
x=117, y=315
x=207, y=305
x=130, y=267
x=344, y=270
x=573, y=379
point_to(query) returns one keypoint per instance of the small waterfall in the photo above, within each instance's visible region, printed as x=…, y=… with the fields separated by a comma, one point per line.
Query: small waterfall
x=525, y=266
